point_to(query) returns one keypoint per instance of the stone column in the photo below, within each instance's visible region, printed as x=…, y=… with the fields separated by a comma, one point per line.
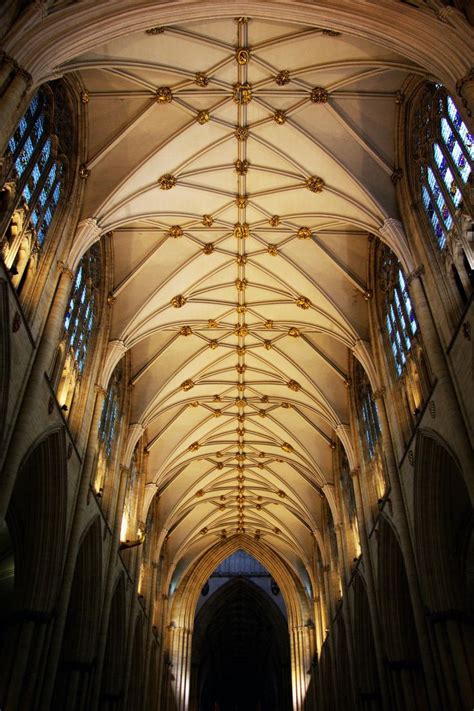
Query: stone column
x=465, y=88
x=11, y=103
x=43, y=359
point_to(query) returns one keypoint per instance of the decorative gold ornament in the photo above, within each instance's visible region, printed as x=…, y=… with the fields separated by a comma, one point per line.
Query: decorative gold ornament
x=283, y=77
x=286, y=405
x=201, y=79
x=261, y=455
x=241, y=259
x=217, y=413
x=220, y=465
x=367, y=294
x=240, y=431
x=293, y=332
x=163, y=95
x=260, y=465
x=241, y=418
x=286, y=447
x=304, y=233
x=216, y=398
x=155, y=31
x=274, y=221
x=211, y=323
x=208, y=248
x=315, y=184
x=241, y=330
x=240, y=368
x=219, y=455
x=293, y=385
x=241, y=350
x=241, y=309
x=203, y=531
x=222, y=507
x=241, y=166
x=207, y=220
x=242, y=92
x=175, y=231
x=242, y=56
x=178, y=301
x=167, y=181
x=267, y=345
x=194, y=447
x=241, y=401
x=187, y=385
x=84, y=172
x=319, y=95
x=331, y=33
x=223, y=534
x=185, y=331
x=241, y=133
x=241, y=387
x=199, y=493
x=195, y=403
x=202, y=117
x=279, y=117
x=277, y=531
x=262, y=413
x=241, y=284
x=281, y=493
x=272, y=249
x=242, y=201
x=264, y=398
x=241, y=456
x=85, y=97
x=241, y=230
x=303, y=302
x=213, y=345
x=268, y=323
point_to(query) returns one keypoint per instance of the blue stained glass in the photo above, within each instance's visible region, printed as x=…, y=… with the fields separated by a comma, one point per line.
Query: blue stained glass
x=24, y=157
x=78, y=277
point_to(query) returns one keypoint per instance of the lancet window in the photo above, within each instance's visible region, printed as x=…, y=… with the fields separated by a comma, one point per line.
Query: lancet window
x=109, y=427
x=80, y=323
x=368, y=415
x=35, y=177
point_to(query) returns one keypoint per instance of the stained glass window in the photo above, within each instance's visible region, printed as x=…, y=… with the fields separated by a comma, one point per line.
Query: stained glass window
x=369, y=419
x=445, y=154
x=36, y=167
x=110, y=417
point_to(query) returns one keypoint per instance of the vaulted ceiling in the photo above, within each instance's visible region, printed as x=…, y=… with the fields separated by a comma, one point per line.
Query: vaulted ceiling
x=242, y=166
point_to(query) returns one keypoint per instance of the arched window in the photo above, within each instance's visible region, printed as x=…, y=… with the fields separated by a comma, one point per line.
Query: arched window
x=367, y=410
x=35, y=177
x=443, y=153
x=109, y=427
x=349, y=500
x=130, y=530
x=402, y=337
x=80, y=322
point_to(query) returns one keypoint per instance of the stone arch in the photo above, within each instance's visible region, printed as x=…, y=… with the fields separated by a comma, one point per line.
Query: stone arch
x=112, y=691
x=445, y=553
x=367, y=677
x=402, y=651
x=78, y=648
x=36, y=521
x=268, y=628
x=184, y=604
x=343, y=669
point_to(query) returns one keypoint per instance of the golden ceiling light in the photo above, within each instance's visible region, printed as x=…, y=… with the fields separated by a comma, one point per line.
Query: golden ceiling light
x=304, y=233
x=303, y=302
x=241, y=133
x=185, y=331
x=241, y=284
x=175, y=231
x=241, y=166
x=213, y=344
x=178, y=301
x=163, y=95
x=167, y=181
x=194, y=447
x=319, y=95
x=315, y=184
x=274, y=221
x=187, y=385
x=202, y=117
x=272, y=249
x=293, y=385
x=242, y=92
x=283, y=77
x=207, y=220
x=279, y=117
x=293, y=332
x=208, y=248
x=201, y=79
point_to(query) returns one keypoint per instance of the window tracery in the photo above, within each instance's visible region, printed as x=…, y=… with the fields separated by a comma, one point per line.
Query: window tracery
x=35, y=178
x=349, y=501
x=442, y=149
x=80, y=324
x=109, y=426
